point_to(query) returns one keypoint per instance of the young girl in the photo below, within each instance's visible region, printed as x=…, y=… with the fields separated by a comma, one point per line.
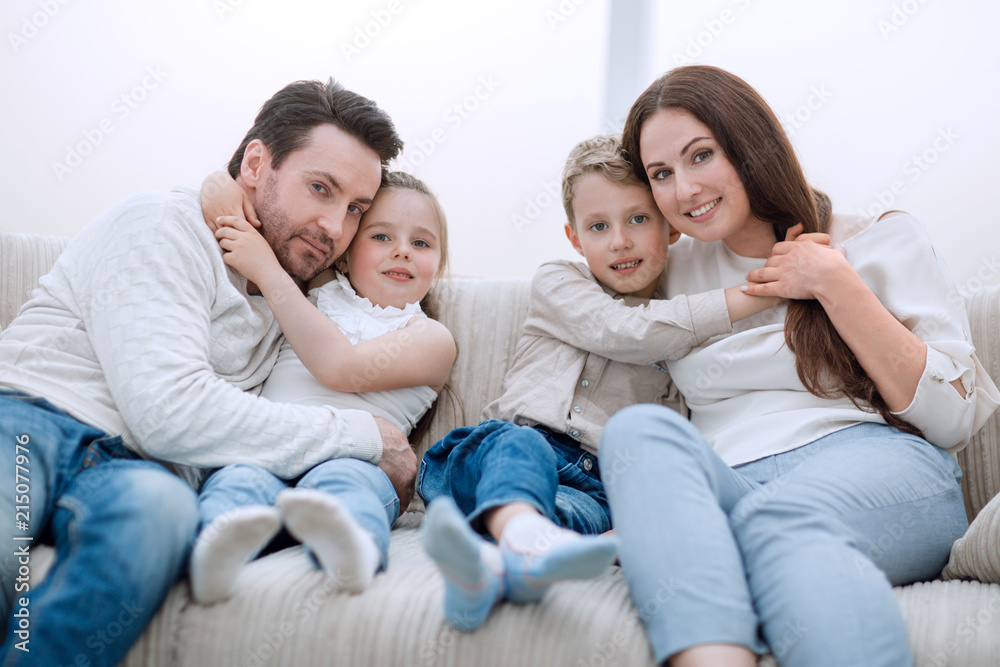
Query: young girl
x=359, y=341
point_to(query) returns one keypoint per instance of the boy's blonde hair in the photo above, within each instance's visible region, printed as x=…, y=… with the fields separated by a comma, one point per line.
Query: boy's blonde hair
x=601, y=154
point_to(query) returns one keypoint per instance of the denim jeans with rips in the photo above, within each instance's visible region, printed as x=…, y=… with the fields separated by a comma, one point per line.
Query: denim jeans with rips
x=498, y=462
x=122, y=528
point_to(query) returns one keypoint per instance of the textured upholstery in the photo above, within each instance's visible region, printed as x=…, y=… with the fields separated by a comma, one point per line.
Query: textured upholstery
x=283, y=615
x=23, y=259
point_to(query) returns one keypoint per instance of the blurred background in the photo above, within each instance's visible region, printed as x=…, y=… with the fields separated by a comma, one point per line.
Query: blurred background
x=890, y=103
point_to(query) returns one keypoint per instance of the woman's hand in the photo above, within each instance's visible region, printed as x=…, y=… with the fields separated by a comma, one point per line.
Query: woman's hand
x=246, y=250
x=800, y=267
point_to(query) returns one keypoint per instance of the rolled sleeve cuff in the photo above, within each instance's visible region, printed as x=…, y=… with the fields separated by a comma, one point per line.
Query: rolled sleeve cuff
x=937, y=409
x=358, y=435
x=709, y=315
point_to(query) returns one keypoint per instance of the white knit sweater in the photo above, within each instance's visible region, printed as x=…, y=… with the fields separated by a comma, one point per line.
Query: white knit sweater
x=141, y=330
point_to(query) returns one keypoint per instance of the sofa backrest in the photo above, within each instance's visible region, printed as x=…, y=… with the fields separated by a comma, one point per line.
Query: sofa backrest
x=485, y=316
x=24, y=258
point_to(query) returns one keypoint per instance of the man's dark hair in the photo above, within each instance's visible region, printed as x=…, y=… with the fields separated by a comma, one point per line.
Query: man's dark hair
x=286, y=120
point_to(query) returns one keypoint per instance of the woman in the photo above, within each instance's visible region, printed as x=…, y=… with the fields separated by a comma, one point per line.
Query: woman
x=815, y=472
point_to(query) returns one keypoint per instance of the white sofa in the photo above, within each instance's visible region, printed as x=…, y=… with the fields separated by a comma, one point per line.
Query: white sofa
x=283, y=614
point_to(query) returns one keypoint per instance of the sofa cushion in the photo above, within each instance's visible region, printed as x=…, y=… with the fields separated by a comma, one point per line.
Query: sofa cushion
x=976, y=555
x=980, y=461
x=285, y=614
x=24, y=258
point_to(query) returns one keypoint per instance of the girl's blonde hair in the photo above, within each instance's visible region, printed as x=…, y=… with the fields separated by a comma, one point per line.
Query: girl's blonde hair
x=429, y=304
x=404, y=181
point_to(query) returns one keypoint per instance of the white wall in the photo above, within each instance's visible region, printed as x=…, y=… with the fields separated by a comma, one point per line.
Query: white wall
x=154, y=94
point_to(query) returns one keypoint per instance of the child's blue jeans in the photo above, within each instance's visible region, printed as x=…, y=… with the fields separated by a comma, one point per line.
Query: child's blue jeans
x=796, y=552
x=122, y=528
x=360, y=486
x=497, y=462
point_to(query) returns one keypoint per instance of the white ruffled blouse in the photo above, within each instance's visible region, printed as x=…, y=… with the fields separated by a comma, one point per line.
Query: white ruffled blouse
x=360, y=320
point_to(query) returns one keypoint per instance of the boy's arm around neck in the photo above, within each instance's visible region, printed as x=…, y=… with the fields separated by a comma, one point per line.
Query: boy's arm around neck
x=567, y=303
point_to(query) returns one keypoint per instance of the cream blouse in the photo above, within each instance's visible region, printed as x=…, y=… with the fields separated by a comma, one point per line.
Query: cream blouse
x=742, y=388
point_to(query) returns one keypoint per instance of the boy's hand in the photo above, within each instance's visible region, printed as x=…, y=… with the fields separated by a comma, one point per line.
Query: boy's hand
x=222, y=196
x=246, y=250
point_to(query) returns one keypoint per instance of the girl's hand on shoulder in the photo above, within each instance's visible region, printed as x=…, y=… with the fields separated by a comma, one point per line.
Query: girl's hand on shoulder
x=245, y=249
x=222, y=196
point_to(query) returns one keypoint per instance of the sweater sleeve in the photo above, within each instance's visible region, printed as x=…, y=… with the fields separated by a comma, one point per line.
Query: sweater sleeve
x=147, y=304
x=896, y=258
x=567, y=303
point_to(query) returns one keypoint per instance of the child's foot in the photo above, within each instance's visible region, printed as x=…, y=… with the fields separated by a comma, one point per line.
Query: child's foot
x=346, y=551
x=537, y=553
x=225, y=545
x=472, y=567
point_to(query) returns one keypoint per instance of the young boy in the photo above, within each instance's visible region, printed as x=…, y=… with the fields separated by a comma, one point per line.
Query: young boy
x=528, y=476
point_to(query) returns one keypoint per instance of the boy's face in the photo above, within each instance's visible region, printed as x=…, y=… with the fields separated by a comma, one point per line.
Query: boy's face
x=621, y=234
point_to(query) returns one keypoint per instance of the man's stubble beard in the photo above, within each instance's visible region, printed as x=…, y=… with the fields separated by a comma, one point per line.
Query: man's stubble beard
x=275, y=227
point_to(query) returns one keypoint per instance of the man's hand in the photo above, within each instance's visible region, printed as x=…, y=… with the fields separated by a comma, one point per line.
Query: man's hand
x=398, y=461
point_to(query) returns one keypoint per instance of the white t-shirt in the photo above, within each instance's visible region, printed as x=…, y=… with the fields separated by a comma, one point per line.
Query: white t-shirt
x=360, y=320
x=742, y=388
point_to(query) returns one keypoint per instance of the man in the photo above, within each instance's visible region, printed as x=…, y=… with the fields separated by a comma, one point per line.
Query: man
x=142, y=348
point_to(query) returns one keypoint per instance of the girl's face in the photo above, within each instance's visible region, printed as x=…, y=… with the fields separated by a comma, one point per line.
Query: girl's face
x=395, y=256
x=696, y=187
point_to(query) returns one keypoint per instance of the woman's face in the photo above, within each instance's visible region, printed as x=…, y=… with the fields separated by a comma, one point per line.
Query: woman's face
x=695, y=185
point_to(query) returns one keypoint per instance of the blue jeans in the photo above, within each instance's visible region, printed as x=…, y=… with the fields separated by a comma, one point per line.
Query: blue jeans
x=122, y=529
x=362, y=488
x=796, y=552
x=496, y=463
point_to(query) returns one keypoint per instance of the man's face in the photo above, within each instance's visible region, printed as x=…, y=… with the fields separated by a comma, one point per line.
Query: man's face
x=310, y=207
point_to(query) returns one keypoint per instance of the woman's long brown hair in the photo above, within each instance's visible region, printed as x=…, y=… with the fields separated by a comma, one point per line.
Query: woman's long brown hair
x=754, y=142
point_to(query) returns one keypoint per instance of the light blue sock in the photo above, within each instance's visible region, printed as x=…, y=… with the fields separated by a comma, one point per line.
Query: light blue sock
x=528, y=575
x=472, y=567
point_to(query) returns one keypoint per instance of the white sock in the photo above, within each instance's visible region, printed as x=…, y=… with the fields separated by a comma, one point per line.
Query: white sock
x=530, y=532
x=346, y=551
x=225, y=545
